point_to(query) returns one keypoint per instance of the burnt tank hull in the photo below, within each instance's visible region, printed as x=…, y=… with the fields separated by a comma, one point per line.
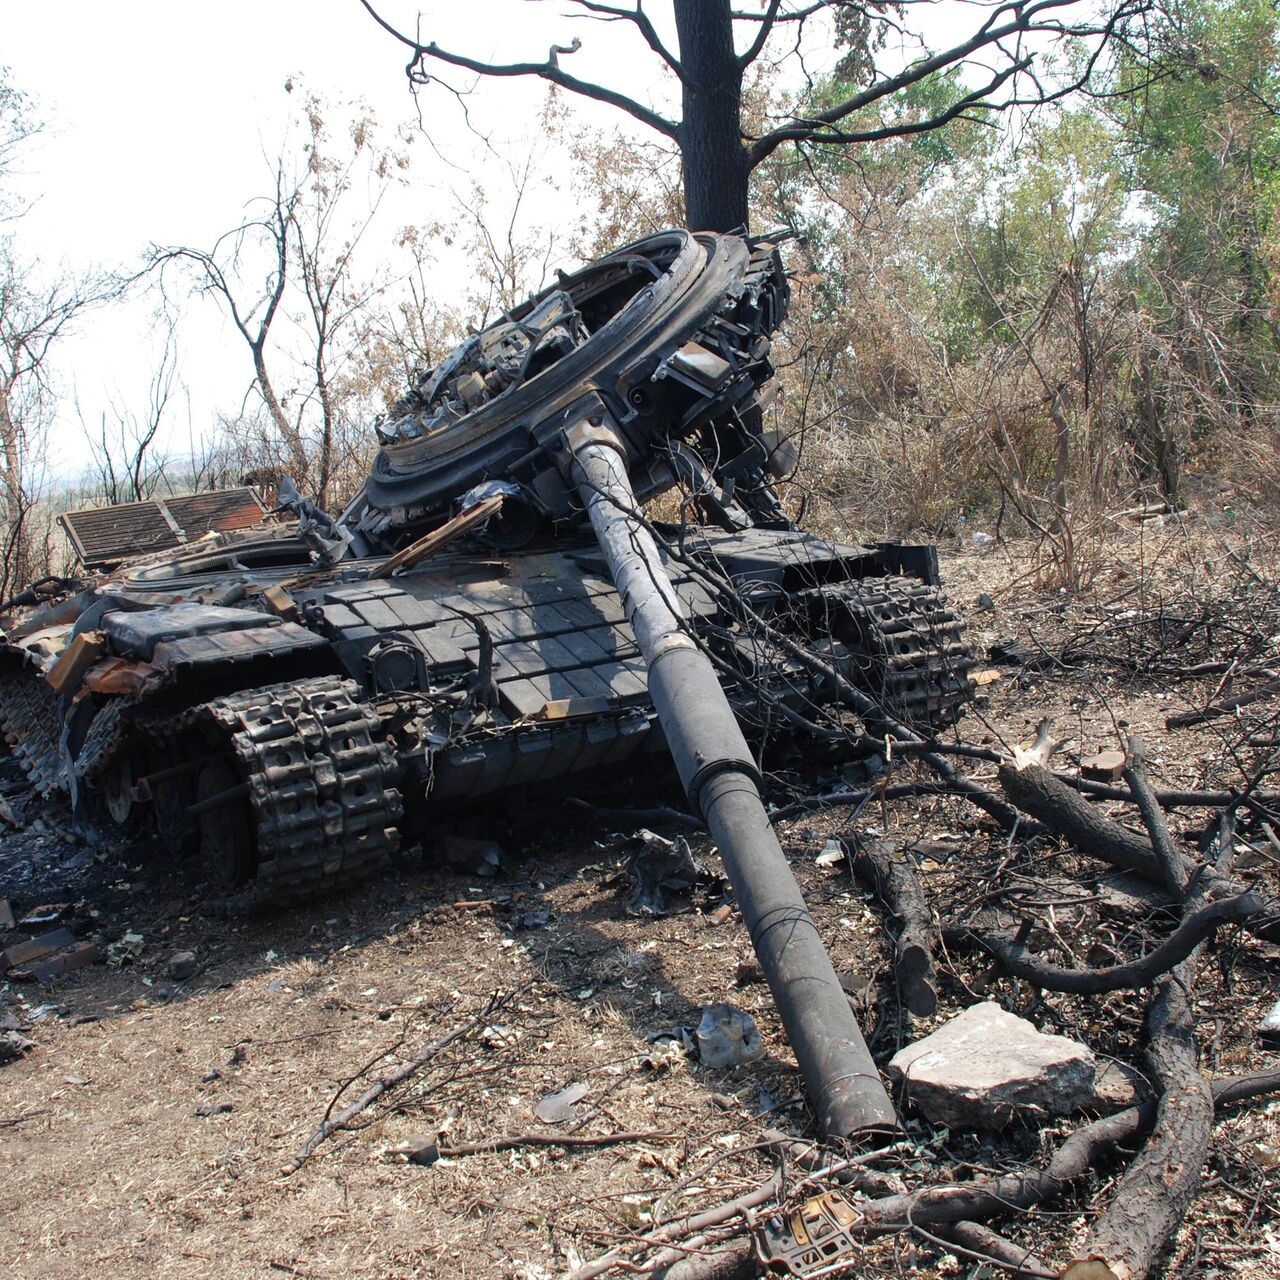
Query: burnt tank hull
x=494, y=610
x=293, y=729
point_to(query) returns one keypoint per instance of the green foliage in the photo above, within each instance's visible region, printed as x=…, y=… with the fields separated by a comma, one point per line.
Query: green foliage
x=912, y=158
x=1056, y=315
x=1056, y=200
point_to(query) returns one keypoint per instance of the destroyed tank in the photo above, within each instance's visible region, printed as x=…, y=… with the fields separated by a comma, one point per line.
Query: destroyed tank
x=290, y=696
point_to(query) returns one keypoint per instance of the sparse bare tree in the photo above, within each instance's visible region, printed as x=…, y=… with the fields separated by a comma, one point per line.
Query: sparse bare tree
x=287, y=279
x=34, y=315
x=127, y=467
x=253, y=307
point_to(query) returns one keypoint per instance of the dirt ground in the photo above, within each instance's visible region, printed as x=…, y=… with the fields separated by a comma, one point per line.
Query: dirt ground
x=149, y=1131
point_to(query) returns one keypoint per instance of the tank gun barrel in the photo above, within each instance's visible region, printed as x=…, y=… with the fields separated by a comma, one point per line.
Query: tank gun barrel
x=720, y=776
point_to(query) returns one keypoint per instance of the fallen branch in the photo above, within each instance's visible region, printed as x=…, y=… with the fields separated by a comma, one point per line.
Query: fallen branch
x=513, y=1140
x=973, y=1240
x=735, y=1262
x=680, y=1228
x=1152, y=1197
x=1046, y=797
x=829, y=799
x=1191, y=933
x=332, y=1123
x=1172, y=799
x=896, y=884
x=1172, y=864
x=817, y=1161
x=1224, y=708
x=639, y=817
x=1038, y=792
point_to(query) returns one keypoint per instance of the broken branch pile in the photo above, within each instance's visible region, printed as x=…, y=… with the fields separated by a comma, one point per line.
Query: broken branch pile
x=1141, y=1213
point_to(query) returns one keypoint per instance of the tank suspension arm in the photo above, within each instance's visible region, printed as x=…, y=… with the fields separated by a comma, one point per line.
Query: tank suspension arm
x=720, y=776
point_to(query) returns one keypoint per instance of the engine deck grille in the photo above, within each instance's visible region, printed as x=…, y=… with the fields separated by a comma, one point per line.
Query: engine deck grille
x=104, y=536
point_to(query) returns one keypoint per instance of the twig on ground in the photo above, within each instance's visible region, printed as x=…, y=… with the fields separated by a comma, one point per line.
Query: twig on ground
x=332, y=1123
x=1171, y=799
x=1224, y=708
x=830, y=799
x=640, y=817
x=820, y=1165
x=510, y=1141
x=680, y=1228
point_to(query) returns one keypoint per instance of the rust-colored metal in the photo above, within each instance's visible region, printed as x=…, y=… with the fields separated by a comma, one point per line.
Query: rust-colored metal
x=75, y=661
x=439, y=538
x=23, y=953
x=122, y=677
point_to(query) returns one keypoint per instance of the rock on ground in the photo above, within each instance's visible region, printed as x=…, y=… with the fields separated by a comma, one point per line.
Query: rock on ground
x=986, y=1067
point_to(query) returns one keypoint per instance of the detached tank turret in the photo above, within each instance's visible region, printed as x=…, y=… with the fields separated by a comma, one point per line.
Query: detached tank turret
x=292, y=700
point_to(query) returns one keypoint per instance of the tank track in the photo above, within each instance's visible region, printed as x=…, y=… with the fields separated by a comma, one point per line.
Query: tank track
x=907, y=649
x=107, y=739
x=320, y=783
x=28, y=714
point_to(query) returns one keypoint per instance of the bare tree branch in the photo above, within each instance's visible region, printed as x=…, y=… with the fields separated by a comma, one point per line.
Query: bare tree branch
x=1027, y=19
x=549, y=70
x=767, y=19
x=609, y=13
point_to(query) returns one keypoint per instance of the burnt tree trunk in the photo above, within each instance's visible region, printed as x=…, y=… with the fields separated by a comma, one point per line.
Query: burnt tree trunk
x=896, y=884
x=713, y=161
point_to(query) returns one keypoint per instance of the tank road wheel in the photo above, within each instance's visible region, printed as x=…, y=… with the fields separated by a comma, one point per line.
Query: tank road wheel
x=309, y=783
x=171, y=774
x=224, y=825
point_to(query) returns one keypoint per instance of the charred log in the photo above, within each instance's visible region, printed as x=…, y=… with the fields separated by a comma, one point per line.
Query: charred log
x=896, y=885
x=1039, y=793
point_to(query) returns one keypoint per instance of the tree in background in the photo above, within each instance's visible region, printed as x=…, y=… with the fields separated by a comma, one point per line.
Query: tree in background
x=288, y=279
x=1202, y=146
x=37, y=309
x=127, y=464
x=1040, y=320
x=1005, y=63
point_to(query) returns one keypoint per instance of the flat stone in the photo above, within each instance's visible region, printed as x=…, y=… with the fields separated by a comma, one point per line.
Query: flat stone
x=726, y=1036
x=182, y=965
x=985, y=1068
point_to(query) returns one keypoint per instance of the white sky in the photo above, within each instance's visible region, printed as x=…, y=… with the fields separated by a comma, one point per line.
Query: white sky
x=160, y=117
